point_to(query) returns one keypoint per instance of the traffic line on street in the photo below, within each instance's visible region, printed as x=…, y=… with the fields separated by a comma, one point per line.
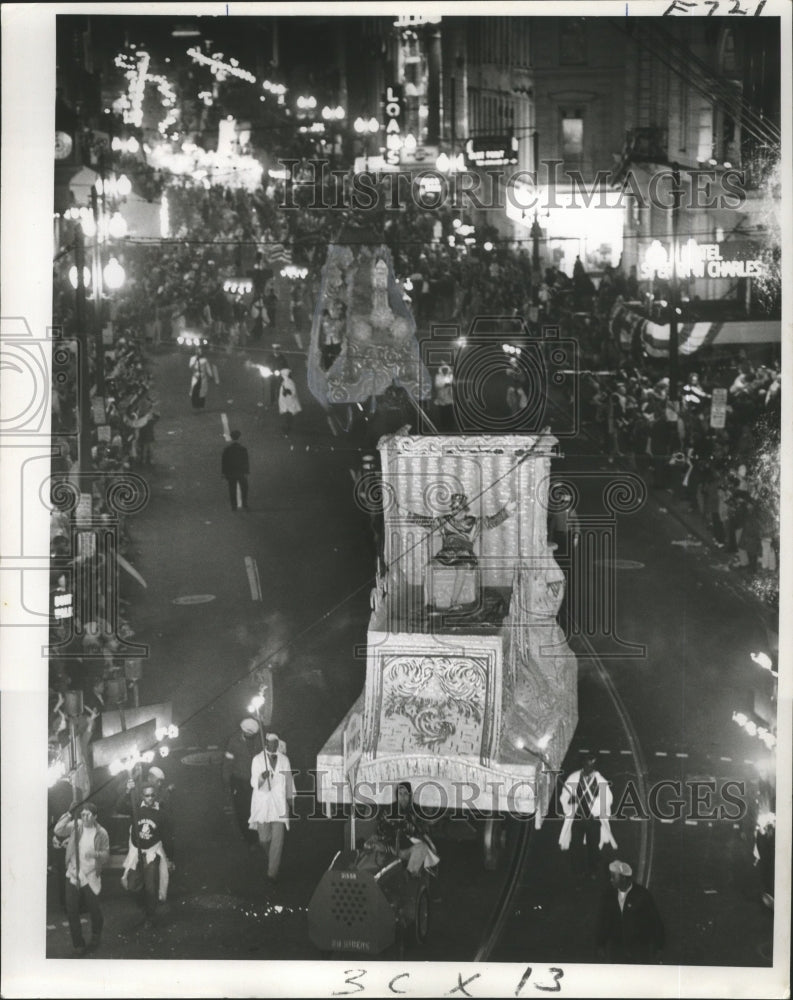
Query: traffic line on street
x=661, y=753
x=352, y=475
x=681, y=755
x=225, y=422
x=728, y=759
x=253, y=578
x=625, y=753
x=298, y=340
x=332, y=425
x=604, y=751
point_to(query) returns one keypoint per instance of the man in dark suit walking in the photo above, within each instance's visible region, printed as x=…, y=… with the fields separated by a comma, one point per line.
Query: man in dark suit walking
x=234, y=467
x=630, y=930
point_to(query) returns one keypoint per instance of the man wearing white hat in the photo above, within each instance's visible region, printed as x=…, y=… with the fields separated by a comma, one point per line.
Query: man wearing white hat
x=272, y=793
x=156, y=776
x=236, y=775
x=630, y=929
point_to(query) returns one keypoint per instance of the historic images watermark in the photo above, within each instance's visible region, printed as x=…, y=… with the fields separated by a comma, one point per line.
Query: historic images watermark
x=667, y=800
x=315, y=184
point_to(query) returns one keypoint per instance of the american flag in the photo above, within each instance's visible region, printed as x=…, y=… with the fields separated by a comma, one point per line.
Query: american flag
x=276, y=253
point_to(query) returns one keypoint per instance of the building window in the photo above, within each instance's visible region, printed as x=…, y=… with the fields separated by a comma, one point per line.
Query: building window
x=728, y=58
x=572, y=134
x=683, y=111
x=572, y=41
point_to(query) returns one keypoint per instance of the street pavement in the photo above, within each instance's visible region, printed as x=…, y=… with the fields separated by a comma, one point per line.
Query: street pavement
x=671, y=721
x=665, y=714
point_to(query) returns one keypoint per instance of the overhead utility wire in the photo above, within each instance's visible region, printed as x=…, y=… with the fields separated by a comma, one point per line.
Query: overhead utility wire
x=698, y=85
x=705, y=80
x=730, y=94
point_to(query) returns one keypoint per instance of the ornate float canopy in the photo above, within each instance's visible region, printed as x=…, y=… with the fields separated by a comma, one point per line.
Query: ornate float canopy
x=361, y=308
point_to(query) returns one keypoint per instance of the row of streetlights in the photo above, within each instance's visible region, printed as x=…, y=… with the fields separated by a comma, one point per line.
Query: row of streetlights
x=99, y=225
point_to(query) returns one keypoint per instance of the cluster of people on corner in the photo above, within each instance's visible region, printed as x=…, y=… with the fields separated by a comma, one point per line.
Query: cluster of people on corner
x=82, y=850
x=122, y=419
x=723, y=473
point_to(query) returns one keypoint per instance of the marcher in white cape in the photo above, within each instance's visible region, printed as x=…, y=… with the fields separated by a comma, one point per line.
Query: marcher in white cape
x=586, y=799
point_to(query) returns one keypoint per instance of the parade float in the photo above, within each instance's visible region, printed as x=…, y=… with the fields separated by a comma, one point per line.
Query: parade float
x=363, y=336
x=471, y=688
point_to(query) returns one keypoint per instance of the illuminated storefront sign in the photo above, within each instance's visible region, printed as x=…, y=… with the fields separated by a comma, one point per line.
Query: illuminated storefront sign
x=414, y=20
x=492, y=150
x=62, y=605
x=700, y=260
x=393, y=108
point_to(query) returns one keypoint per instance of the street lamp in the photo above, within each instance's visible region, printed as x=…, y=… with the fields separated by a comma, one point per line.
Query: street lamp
x=74, y=277
x=114, y=274
x=117, y=226
x=366, y=127
x=450, y=164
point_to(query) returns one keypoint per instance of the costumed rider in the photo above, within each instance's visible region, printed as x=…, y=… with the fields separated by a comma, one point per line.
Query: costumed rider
x=403, y=832
x=459, y=530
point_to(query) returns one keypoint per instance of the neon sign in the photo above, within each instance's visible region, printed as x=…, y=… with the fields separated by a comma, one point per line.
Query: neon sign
x=393, y=114
x=698, y=260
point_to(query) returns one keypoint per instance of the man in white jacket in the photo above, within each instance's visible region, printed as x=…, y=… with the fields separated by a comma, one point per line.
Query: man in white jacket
x=273, y=791
x=87, y=850
x=586, y=803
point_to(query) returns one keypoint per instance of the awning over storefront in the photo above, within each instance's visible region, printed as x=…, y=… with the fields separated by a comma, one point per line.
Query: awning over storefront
x=630, y=325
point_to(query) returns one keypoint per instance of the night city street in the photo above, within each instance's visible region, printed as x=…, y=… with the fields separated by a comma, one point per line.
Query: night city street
x=401, y=544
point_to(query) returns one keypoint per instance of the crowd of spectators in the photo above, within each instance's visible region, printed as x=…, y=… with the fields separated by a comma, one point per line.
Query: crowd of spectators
x=726, y=470
x=89, y=622
x=726, y=473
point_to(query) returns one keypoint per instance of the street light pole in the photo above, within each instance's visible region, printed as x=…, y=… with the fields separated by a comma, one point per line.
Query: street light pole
x=83, y=376
x=97, y=289
x=673, y=290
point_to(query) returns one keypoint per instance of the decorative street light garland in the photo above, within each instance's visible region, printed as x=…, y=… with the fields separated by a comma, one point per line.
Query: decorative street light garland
x=136, y=70
x=220, y=69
